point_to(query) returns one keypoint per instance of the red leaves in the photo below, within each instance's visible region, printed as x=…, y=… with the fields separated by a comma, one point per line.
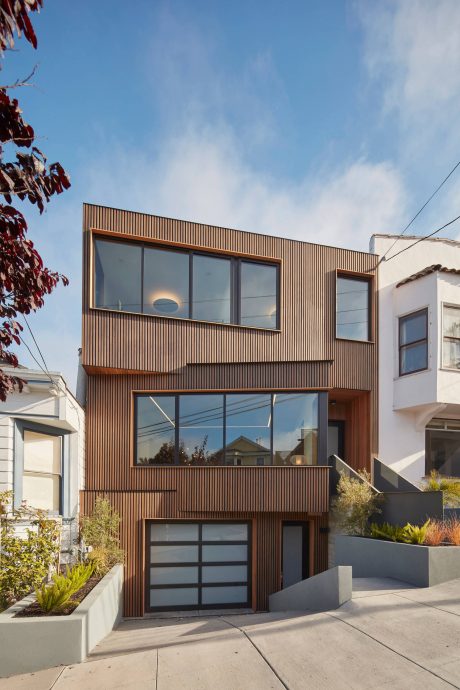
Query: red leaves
x=14, y=19
x=12, y=126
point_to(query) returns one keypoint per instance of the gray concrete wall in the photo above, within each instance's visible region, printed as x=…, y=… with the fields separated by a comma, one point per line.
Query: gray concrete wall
x=386, y=479
x=323, y=592
x=31, y=644
x=423, y=566
x=415, y=507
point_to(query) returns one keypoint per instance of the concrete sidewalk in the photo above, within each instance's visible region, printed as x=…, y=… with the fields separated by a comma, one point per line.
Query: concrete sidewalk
x=388, y=636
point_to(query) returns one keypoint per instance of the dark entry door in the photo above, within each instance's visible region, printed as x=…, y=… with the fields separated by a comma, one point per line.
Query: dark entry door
x=336, y=439
x=295, y=552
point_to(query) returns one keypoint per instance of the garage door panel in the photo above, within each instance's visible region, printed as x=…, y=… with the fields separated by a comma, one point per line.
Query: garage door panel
x=199, y=564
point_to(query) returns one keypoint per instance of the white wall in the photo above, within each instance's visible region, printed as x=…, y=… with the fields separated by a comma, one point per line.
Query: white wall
x=406, y=404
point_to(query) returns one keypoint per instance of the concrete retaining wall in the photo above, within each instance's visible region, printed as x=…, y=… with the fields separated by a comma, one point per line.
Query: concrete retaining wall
x=32, y=644
x=323, y=592
x=423, y=566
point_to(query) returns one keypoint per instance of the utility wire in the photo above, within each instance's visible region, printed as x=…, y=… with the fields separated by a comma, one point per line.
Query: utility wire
x=36, y=344
x=419, y=212
x=426, y=237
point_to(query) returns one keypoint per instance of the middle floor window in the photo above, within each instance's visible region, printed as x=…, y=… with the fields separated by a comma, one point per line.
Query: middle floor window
x=227, y=429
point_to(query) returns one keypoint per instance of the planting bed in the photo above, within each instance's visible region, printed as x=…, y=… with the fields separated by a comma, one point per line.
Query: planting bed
x=34, y=609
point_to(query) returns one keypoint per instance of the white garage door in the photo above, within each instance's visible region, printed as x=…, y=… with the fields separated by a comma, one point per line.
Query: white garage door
x=197, y=565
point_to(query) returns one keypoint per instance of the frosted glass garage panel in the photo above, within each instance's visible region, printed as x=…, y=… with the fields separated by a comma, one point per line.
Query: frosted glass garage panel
x=166, y=553
x=174, y=532
x=225, y=552
x=225, y=532
x=224, y=573
x=177, y=596
x=224, y=595
x=177, y=575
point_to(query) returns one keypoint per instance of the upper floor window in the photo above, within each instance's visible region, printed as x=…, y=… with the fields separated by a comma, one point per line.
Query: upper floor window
x=185, y=284
x=413, y=342
x=353, y=308
x=451, y=337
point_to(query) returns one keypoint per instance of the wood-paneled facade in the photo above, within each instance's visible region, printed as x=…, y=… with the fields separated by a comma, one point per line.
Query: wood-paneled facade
x=126, y=352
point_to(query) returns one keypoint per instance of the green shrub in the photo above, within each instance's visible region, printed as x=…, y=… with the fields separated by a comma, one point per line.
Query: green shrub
x=409, y=534
x=100, y=530
x=414, y=534
x=355, y=503
x=450, y=487
x=53, y=597
x=25, y=561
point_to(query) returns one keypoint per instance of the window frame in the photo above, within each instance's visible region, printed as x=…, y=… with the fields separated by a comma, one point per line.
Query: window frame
x=322, y=429
x=401, y=318
x=447, y=305
x=359, y=277
x=236, y=259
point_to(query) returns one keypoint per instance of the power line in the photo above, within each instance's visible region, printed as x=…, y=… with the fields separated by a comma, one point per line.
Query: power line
x=426, y=237
x=36, y=344
x=419, y=212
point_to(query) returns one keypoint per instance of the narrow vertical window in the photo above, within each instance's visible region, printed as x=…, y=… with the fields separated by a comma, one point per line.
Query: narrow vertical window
x=413, y=342
x=41, y=481
x=118, y=276
x=211, y=289
x=353, y=312
x=258, y=295
x=166, y=283
x=451, y=338
x=155, y=430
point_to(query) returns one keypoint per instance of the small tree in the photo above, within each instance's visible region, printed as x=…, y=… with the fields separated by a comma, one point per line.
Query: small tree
x=100, y=530
x=25, y=562
x=355, y=503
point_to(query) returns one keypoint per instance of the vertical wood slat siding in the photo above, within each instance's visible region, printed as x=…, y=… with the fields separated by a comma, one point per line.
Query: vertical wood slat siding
x=137, y=507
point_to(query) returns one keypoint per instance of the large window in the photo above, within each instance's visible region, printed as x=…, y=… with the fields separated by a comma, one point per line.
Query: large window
x=451, y=337
x=442, y=447
x=185, y=284
x=227, y=429
x=41, y=480
x=413, y=342
x=353, y=308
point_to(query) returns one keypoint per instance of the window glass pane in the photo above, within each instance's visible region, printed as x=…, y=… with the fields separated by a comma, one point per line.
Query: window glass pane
x=41, y=491
x=155, y=416
x=118, y=275
x=248, y=419
x=443, y=452
x=178, y=596
x=225, y=552
x=167, y=553
x=258, y=295
x=224, y=595
x=414, y=358
x=225, y=573
x=451, y=353
x=211, y=289
x=201, y=429
x=352, y=308
x=174, y=531
x=295, y=429
x=224, y=532
x=42, y=452
x=166, y=282
x=452, y=322
x=178, y=575
x=412, y=328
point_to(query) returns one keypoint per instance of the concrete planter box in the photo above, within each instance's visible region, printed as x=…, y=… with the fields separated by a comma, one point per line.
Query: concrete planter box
x=423, y=566
x=32, y=644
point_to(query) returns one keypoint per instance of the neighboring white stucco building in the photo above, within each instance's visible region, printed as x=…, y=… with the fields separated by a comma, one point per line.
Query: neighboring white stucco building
x=42, y=448
x=419, y=355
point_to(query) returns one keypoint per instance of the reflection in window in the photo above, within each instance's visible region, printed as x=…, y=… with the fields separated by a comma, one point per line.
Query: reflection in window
x=248, y=422
x=352, y=308
x=156, y=428
x=118, y=276
x=442, y=447
x=166, y=283
x=413, y=342
x=258, y=295
x=201, y=429
x=211, y=289
x=41, y=481
x=451, y=337
x=295, y=429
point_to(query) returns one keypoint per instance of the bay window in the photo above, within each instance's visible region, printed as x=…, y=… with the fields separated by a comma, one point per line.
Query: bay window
x=451, y=337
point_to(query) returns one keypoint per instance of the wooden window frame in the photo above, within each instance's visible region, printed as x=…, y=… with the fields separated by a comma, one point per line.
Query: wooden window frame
x=415, y=342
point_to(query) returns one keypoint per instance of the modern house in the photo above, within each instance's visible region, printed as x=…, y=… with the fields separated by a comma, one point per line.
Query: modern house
x=223, y=367
x=42, y=449
x=419, y=345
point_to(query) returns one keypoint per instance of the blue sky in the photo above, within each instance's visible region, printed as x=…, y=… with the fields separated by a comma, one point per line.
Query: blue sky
x=322, y=121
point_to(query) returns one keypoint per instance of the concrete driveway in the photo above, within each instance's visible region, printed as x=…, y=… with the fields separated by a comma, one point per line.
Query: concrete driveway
x=389, y=636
